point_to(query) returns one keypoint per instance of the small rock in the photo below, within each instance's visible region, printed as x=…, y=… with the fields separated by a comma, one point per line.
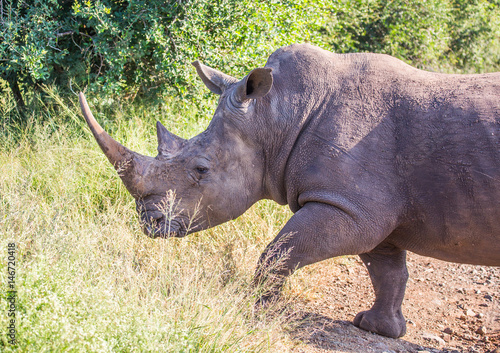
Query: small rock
x=469, y=312
x=433, y=338
x=382, y=347
x=448, y=330
x=481, y=330
x=480, y=315
x=467, y=336
x=488, y=297
x=461, y=291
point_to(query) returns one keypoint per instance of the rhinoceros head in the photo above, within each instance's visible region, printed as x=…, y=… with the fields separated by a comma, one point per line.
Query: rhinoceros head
x=201, y=182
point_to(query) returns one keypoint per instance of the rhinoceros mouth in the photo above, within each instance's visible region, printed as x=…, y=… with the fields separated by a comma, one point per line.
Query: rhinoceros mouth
x=163, y=228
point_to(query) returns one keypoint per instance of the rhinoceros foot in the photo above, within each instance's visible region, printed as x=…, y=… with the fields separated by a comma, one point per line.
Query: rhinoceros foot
x=390, y=325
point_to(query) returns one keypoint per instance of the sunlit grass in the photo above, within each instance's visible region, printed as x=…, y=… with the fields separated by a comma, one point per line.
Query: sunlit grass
x=89, y=280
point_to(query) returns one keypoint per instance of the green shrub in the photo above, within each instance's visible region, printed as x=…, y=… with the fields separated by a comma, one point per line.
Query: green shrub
x=145, y=47
x=475, y=39
x=444, y=35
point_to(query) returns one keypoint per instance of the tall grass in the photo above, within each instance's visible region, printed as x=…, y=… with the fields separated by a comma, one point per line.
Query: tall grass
x=88, y=280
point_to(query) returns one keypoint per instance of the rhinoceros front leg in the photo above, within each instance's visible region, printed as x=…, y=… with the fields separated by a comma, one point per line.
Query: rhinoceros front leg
x=387, y=268
x=316, y=232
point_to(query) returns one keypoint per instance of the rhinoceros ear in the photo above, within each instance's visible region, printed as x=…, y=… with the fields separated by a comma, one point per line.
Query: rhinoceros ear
x=168, y=143
x=216, y=81
x=255, y=85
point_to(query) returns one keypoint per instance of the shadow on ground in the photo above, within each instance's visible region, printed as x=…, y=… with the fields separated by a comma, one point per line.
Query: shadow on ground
x=323, y=334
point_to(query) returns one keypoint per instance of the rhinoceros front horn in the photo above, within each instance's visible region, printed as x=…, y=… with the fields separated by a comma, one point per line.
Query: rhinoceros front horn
x=130, y=165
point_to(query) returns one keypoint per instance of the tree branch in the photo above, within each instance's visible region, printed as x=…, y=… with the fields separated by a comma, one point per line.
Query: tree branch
x=64, y=34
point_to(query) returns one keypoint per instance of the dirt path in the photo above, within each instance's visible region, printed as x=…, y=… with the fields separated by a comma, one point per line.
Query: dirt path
x=448, y=307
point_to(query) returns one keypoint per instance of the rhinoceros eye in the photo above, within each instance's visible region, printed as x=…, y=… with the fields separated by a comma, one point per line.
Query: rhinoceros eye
x=202, y=170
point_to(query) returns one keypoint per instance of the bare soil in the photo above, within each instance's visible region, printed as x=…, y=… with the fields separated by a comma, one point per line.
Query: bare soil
x=448, y=307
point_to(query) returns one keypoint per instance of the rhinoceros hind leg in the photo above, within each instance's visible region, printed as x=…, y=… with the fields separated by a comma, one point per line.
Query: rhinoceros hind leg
x=387, y=268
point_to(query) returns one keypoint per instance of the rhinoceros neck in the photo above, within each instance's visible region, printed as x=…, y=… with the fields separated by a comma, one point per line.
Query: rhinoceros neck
x=279, y=138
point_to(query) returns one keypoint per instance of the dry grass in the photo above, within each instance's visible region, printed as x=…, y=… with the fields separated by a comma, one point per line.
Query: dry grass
x=89, y=280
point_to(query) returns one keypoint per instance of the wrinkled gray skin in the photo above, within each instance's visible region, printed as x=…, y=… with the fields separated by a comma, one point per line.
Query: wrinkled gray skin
x=374, y=158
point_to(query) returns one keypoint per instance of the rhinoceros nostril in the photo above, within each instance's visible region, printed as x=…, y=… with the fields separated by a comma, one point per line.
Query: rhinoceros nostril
x=152, y=216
